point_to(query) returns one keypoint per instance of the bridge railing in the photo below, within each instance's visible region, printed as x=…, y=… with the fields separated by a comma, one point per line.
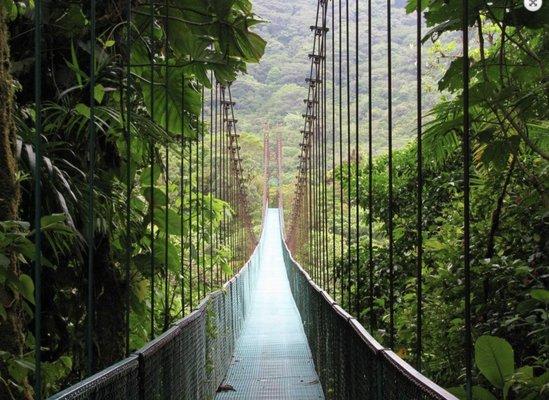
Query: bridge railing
x=187, y=362
x=350, y=363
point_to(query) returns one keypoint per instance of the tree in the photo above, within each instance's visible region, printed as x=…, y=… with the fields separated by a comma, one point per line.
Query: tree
x=12, y=319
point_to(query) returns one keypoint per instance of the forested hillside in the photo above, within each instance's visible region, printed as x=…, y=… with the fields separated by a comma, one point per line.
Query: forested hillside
x=271, y=95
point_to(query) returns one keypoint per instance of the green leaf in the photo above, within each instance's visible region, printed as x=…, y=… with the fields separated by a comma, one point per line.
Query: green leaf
x=543, y=379
x=540, y=294
x=11, y=8
x=99, y=93
x=433, y=244
x=227, y=269
x=172, y=253
x=82, y=109
x=452, y=79
x=411, y=6
x=66, y=361
x=172, y=108
x=4, y=261
x=479, y=393
x=51, y=220
x=26, y=287
x=145, y=177
x=73, y=65
x=174, y=221
x=158, y=195
x=495, y=359
x=222, y=7
x=19, y=369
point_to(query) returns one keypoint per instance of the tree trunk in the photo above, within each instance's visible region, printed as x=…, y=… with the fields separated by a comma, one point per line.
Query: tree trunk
x=110, y=306
x=12, y=327
x=494, y=226
x=496, y=215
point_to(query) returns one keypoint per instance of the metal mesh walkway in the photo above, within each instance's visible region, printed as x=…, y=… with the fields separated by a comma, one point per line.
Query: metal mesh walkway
x=272, y=358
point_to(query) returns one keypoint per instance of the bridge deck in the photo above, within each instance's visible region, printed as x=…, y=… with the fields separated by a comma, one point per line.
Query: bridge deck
x=272, y=359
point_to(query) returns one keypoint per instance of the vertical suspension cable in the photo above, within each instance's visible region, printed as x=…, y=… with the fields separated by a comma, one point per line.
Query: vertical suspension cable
x=202, y=190
x=38, y=200
x=419, y=227
x=340, y=114
x=390, y=183
x=182, y=196
x=316, y=145
x=210, y=179
x=313, y=192
x=223, y=176
x=91, y=189
x=334, y=277
x=152, y=183
x=128, y=245
x=190, y=232
x=198, y=200
x=319, y=128
x=357, y=160
x=466, y=202
x=166, y=172
x=230, y=183
x=216, y=171
x=348, y=105
x=310, y=199
x=370, y=177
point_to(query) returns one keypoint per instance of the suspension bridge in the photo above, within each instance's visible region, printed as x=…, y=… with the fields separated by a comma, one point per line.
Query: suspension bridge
x=233, y=313
x=270, y=333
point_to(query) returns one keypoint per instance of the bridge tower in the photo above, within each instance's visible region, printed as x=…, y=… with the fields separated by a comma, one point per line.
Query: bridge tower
x=266, y=166
x=279, y=169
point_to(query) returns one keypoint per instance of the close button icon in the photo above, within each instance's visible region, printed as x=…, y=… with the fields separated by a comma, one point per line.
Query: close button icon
x=533, y=5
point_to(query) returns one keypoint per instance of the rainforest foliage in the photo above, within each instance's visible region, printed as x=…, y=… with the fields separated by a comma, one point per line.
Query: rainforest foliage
x=189, y=42
x=509, y=108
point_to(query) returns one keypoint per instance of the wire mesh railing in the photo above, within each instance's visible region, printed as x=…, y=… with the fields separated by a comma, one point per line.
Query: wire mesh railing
x=189, y=360
x=350, y=363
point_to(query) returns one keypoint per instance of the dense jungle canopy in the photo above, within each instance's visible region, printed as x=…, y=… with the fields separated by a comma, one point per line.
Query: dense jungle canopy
x=196, y=45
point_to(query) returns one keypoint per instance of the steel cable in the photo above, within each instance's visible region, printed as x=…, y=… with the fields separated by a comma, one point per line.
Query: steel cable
x=152, y=182
x=390, y=181
x=468, y=345
x=38, y=27
x=166, y=170
x=419, y=227
x=91, y=188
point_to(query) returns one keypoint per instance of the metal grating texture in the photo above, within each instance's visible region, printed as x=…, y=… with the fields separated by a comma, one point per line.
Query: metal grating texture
x=187, y=362
x=118, y=382
x=351, y=364
x=272, y=359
